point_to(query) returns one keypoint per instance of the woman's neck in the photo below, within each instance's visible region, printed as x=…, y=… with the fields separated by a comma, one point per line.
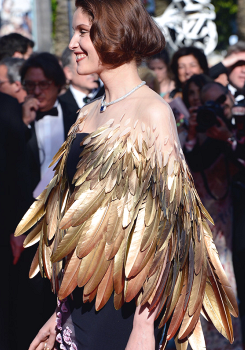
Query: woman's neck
x=119, y=81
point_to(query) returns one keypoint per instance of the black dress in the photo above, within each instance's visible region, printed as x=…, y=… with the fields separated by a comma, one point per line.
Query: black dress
x=81, y=326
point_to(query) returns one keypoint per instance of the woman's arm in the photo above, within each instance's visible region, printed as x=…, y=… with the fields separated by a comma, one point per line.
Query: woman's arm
x=45, y=338
x=142, y=335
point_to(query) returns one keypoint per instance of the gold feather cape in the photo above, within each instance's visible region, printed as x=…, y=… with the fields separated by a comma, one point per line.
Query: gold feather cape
x=134, y=226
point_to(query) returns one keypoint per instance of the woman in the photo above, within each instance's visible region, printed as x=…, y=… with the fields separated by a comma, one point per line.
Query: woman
x=192, y=90
x=159, y=63
x=129, y=220
x=186, y=62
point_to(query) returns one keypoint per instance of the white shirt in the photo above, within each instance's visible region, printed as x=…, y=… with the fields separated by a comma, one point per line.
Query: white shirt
x=50, y=136
x=79, y=96
x=233, y=90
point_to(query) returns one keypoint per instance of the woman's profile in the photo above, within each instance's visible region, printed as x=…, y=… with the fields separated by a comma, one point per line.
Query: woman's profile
x=122, y=233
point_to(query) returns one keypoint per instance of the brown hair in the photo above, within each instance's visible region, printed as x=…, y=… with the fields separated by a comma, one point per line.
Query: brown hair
x=122, y=30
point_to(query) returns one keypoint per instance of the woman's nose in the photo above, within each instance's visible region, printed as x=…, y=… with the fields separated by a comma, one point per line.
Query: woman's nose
x=73, y=42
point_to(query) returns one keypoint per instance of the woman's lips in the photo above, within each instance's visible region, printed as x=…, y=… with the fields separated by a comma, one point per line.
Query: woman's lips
x=80, y=57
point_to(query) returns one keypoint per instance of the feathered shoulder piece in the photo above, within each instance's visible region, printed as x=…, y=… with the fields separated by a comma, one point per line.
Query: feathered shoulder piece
x=134, y=226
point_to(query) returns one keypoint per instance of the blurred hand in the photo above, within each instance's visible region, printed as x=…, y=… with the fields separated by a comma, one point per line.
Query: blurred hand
x=16, y=246
x=233, y=59
x=220, y=132
x=222, y=79
x=45, y=338
x=192, y=123
x=29, y=108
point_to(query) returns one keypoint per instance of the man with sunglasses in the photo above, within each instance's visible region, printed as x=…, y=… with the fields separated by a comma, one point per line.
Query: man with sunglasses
x=48, y=118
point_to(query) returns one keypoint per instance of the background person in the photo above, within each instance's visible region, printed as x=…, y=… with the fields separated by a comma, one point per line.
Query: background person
x=234, y=66
x=15, y=45
x=186, y=62
x=159, y=64
x=49, y=118
x=13, y=204
x=10, y=78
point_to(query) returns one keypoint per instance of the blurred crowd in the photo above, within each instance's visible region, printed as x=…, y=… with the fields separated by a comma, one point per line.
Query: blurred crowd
x=40, y=95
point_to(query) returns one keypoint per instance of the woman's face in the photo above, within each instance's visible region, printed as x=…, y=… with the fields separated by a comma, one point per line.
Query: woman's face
x=194, y=95
x=160, y=69
x=87, y=59
x=187, y=66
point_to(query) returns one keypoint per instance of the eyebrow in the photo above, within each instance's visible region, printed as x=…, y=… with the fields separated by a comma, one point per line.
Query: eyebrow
x=81, y=26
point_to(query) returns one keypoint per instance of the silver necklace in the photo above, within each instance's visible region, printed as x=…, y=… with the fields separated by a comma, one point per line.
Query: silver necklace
x=104, y=104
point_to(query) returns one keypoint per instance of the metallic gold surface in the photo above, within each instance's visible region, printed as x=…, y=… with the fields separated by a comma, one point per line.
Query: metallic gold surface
x=134, y=225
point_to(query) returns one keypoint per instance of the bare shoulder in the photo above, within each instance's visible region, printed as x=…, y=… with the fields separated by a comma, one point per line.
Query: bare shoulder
x=153, y=108
x=90, y=106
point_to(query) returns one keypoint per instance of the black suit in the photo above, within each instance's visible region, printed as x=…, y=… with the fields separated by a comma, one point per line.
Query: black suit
x=69, y=99
x=13, y=174
x=69, y=117
x=14, y=197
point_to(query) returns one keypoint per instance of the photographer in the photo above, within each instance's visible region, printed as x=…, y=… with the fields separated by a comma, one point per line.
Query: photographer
x=211, y=159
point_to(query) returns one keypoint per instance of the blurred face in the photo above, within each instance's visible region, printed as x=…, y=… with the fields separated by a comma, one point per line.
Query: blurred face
x=83, y=83
x=87, y=58
x=237, y=75
x=159, y=68
x=43, y=89
x=5, y=85
x=213, y=94
x=187, y=66
x=194, y=95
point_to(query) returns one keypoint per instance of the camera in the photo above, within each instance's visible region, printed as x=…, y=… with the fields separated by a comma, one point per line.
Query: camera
x=207, y=114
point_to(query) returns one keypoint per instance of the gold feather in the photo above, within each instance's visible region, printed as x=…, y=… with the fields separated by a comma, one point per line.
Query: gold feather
x=118, y=300
x=69, y=281
x=212, y=310
x=134, y=224
x=68, y=243
x=179, y=311
x=89, y=264
x=92, y=232
x=223, y=308
x=180, y=345
x=34, y=236
x=33, y=215
x=213, y=255
x=196, y=339
x=34, y=265
x=105, y=288
x=135, y=284
x=134, y=247
x=119, y=273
